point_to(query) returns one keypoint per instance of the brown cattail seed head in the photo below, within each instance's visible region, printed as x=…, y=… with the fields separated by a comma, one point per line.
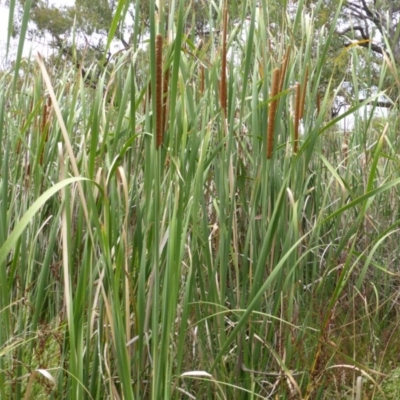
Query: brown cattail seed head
x=272, y=111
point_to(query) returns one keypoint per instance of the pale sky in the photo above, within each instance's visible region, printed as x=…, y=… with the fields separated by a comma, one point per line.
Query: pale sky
x=29, y=45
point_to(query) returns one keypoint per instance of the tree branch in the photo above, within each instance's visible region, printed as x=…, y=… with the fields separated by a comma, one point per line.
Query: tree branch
x=366, y=15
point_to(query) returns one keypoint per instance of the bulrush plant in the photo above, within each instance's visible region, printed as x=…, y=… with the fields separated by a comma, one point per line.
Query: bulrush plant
x=272, y=112
x=300, y=95
x=220, y=273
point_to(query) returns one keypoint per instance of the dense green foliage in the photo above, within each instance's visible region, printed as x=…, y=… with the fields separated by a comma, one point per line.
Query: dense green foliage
x=199, y=268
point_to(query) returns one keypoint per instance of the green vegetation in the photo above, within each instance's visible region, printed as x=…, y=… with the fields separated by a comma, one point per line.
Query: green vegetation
x=149, y=248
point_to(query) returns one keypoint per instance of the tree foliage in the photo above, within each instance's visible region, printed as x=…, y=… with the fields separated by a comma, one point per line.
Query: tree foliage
x=373, y=24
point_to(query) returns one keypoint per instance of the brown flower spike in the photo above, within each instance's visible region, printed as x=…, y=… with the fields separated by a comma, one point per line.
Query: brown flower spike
x=272, y=111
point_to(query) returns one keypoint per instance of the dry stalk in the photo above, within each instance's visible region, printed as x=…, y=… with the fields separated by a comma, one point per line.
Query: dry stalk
x=297, y=112
x=201, y=78
x=223, y=90
x=272, y=111
x=303, y=93
x=260, y=70
x=45, y=115
x=345, y=148
x=44, y=126
x=147, y=98
x=318, y=103
x=159, y=91
x=165, y=99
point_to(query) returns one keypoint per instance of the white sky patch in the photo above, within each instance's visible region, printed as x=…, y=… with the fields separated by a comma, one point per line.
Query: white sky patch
x=348, y=123
x=30, y=47
x=3, y=23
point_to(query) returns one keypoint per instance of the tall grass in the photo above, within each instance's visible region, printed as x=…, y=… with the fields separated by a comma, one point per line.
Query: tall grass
x=150, y=249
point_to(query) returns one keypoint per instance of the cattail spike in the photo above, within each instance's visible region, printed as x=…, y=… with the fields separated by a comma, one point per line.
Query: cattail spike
x=272, y=111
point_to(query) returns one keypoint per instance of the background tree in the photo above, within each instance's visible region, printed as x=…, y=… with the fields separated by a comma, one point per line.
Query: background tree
x=78, y=34
x=374, y=25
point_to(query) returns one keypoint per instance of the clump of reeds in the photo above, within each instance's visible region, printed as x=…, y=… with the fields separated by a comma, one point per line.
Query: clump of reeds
x=223, y=89
x=272, y=111
x=159, y=91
